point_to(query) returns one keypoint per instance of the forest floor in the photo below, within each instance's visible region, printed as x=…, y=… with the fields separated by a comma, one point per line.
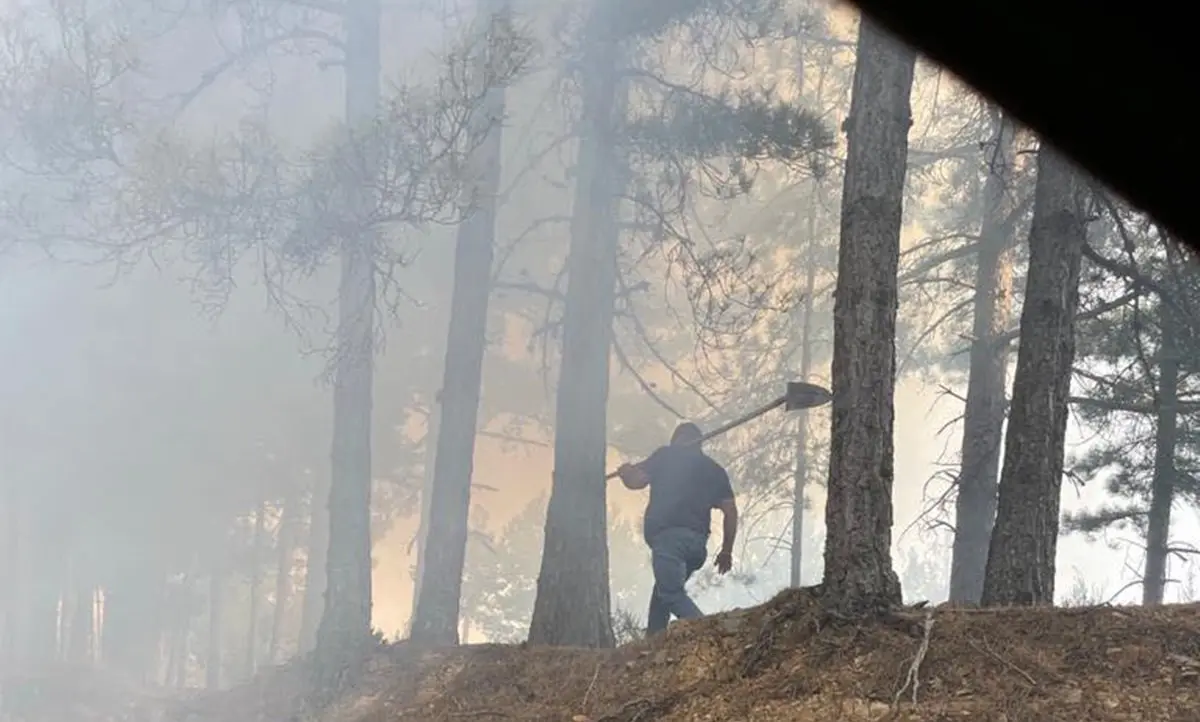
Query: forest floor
x=786, y=660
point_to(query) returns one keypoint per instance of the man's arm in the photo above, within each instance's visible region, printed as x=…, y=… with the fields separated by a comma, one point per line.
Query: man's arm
x=633, y=476
x=729, y=530
x=730, y=527
x=728, y=506
x=639, y=476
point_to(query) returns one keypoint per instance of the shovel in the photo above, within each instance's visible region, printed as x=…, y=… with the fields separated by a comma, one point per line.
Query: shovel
x=797, y=397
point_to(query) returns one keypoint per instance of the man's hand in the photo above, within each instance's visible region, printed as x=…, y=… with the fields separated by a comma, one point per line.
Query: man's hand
x=724, y=561
x=633, y=476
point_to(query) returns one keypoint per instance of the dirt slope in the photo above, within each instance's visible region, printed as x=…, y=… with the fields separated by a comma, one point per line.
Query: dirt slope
x=789, y=661
x=785, y=661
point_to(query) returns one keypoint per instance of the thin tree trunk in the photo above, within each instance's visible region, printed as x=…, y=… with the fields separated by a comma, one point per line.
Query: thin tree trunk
x=133, y=622
x=284, y=563
x=80, y=614
x=41, y=564
x=431, y=433
x=801, y=473
x=216, y=608
x=345, y=626
x=1162, y=492
x=1020, y=567
x=316, y=554
x=179, y=651
x=573, y=598
x=799, y=502
x=172, y=645
x=260, y=527
x=858, y=512
x=435, y=616
x=983, y=420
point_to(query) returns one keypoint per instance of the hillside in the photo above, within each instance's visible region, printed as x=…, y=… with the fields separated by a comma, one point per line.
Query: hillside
x=782, y=661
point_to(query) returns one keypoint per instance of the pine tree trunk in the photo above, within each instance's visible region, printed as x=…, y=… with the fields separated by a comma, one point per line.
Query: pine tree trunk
x=431, y=432
x=573, y=598
x=801, y=473
x=173, y=657
x=214, y=655
x=133, y=623
x=1020, y=567
x=315, y=557
x=285, y=558
x=80, y=616
x=435, y=616
x=260, y=525
x=39, y=589
x=983, y=421
x=800, y=486
x=345, y=626
x=179, y=655
x=858, y=513
x=1162, y=492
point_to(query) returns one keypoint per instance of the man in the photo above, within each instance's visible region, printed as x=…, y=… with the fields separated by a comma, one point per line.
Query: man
x=685, y=486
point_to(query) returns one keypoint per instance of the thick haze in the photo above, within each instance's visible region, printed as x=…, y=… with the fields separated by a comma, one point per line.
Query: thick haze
x=160, y=411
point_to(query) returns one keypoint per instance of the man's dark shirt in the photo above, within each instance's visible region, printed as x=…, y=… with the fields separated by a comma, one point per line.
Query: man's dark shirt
x=685, y=486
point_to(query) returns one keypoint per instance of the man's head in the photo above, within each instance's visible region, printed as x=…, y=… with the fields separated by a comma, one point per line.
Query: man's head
x=686, y=433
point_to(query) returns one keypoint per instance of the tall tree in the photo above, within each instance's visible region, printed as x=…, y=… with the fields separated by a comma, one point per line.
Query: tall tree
x=346, y=619
x=215, y=651
x=573, y=598
x=812, y=89
x=858, y=514
x=444, y=543
x=432, y=422
x=257, y=546
x=1166, y=436
x=315, y=555
x=1137, y=387
x=1021, y=557
x=285, y=540
x=983, y=420
x=800, y=474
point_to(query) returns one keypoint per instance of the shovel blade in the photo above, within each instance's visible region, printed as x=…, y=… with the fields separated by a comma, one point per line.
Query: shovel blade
x=801, y=395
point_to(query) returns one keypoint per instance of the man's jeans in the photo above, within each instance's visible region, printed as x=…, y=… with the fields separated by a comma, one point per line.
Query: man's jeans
x=675, y=554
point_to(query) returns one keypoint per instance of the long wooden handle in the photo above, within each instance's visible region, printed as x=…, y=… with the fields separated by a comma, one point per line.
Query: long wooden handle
x=745, y=418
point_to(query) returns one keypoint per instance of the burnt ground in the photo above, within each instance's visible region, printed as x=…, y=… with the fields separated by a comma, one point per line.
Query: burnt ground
x=786, y=660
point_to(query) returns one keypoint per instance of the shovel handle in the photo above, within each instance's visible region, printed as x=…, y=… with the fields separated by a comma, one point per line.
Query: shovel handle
x=729, y=426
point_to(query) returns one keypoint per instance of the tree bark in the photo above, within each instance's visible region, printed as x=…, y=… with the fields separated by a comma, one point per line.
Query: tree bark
x=216, y=608
x=573, y=598
x=260, y=525
x=1162, y=491
x=316, y=554
x=801, y=473
x=133, y=622
x=39, y=581
x=345, y=626
x=431, y=432
x=1020, y=567
x=800, y=477
x=286, y=541
x=983, y=420
x=858, y=516
x=82, y=624
x=176, y=633
x=435, y=616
